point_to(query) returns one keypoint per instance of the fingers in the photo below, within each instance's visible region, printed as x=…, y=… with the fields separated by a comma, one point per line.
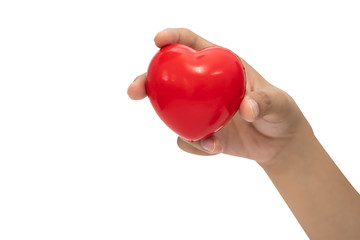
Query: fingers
x=136, y=90
x=182, y=36
x=208, y=146
x=189, y=148
x=269, y=103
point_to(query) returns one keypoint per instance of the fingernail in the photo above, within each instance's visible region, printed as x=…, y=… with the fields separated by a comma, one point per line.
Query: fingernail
x=208, y=145
x=254, y=106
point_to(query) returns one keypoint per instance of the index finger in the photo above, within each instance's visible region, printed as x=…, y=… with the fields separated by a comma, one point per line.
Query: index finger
x=182, y=36
x=191, y=39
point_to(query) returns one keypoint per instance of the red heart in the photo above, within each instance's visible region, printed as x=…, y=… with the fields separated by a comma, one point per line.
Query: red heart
x=195, y=92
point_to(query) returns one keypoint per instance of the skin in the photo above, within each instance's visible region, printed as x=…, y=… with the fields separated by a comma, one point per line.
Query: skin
x=270, y=129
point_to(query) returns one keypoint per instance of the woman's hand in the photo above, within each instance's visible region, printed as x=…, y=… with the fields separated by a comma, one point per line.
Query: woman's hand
x=270, y=129
x=267, y=121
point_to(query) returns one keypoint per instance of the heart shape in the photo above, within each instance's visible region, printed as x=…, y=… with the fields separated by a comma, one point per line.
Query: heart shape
x=195, y=93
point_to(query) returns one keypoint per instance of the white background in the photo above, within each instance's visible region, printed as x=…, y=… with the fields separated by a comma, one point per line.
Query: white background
x=79, y=160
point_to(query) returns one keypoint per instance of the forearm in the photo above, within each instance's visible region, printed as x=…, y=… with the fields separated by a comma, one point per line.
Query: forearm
x=318, y=194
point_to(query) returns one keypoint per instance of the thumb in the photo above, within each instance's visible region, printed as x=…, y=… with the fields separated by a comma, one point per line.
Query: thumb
x=270, y=103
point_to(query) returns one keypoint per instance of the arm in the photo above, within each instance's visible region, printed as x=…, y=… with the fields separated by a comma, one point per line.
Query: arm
x=318, y=194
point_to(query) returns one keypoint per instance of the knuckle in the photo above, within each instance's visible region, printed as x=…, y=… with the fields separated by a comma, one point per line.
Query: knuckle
x=185, y=30
x=264, y=101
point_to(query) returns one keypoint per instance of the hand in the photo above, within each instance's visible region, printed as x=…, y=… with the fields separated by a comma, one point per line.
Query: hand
x=267, y=121
x=270, y=129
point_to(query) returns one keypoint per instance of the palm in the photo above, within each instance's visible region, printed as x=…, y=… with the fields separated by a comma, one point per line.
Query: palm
x=245, y=140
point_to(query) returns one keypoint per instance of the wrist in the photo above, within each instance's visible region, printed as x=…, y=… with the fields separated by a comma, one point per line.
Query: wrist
x=295, y=154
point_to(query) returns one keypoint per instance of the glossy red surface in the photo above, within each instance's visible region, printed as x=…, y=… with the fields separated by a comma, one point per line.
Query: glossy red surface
x=195, y=92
